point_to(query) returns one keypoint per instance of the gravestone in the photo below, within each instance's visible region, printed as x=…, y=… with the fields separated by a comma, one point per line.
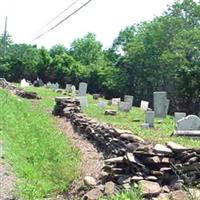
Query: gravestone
x=48, y=85
x=68, y=87
x=115, y=101
x=24, y=83
x=83, y=101
x=124, y=106
x=101, y=104
x=129, y=99
x=191, y=122
x=73, y=89
x=144, y=105
x=161, y=104
x=82, y=89
x=149, y=118
x=179, y=115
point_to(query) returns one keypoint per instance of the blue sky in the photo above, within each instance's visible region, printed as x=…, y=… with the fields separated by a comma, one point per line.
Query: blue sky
x=105, y=18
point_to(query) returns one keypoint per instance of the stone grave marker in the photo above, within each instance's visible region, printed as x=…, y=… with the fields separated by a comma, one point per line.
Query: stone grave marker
x=73, y=89
x=101, y=104
x=129, y=99
x=179, y=115
x=149, y=118
x=83, y=101
x=144, y=105
x=124, y=106
x=191, y=122
x=82, y=89
x=24, y=83
x=115, y=101
x=68, y=87
x=161, y=104
x=48, y=85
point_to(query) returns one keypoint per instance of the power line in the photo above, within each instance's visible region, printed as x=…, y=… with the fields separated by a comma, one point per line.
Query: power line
x=62, y=20
x=52, y=20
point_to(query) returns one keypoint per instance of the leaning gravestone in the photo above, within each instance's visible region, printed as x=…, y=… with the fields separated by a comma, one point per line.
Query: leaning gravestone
x=161, y=104
x=82, y=89
x=191, y=122
x=179, y=115
x=144, y=105
x=129, y=99
x=83, y=101
x=124, y=106
x=149, y=118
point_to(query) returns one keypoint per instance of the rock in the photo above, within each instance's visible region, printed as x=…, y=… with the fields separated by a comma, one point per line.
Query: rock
x=132, y=137
x=96, y=96
x=137, y=178
x=175, y=147
x=144, y=126
x=195, y=193
x=115, y=160
x=93, y=194
x=178, y=195
x=124, y=179
x=151, y=178
x=162, y=196
x=110, y=112
x=165, y=189
x=149, y=188
x=90, y=181
x=159, y=148
x=109, y=188
x=59, y=91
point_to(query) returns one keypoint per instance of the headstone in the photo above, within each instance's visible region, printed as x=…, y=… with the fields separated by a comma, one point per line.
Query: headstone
x=83, y=101
x=124, y=106
x=82, y=89
x=161, y=104
x=144, y=105
x=129, y=98
x=101, y=104
x=144, y=126
x=49, y=85
x=68, y=87
x=73, y=89
x=24, y=83
x=149, y=118
x=179, y=115
x=191, y=122
x=56, y=86
x=115, y=101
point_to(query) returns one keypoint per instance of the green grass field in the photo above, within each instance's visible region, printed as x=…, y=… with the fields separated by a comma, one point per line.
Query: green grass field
x=159, y=134
x=43, y=160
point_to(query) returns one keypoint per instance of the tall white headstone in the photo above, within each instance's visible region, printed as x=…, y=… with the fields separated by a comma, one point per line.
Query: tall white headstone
x=82, y=89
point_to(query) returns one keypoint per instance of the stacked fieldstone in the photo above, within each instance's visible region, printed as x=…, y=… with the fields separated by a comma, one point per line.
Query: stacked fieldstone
x=130, y=160
x=17, y=91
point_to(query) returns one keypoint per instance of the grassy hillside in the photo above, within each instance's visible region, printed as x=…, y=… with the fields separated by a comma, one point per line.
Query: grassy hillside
x=132, y=120
x=42, y=158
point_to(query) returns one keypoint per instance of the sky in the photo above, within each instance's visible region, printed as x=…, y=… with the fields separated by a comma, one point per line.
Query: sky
x=105, y=18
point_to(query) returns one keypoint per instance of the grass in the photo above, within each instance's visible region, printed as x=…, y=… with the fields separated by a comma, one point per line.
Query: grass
x=159, y=134
x=43, y=160
x=132, y=194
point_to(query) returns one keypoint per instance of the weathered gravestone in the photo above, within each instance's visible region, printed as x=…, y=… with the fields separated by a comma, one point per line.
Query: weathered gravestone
x=144, y=105
x=82, y=89
x=129, y=99
x=24, y=83
x=101, y=104
x=115, y=101
x=161, y=104
x=179, y=115
x=48, y=85
x=149, y=118
x=68, y=87
x=124, y=106
x=191, y=122
x=83, y=101
x=73, y=89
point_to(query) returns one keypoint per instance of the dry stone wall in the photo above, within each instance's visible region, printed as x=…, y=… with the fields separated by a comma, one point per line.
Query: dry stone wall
x=17, y=91
x=129, y=159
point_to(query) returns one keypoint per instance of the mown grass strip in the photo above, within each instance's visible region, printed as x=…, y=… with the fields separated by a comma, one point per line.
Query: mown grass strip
x=43, y=160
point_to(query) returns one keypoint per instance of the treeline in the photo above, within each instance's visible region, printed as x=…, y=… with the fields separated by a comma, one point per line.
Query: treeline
x=162, y=54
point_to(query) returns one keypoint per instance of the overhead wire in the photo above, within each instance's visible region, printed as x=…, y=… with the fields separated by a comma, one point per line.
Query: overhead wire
x=63, y=20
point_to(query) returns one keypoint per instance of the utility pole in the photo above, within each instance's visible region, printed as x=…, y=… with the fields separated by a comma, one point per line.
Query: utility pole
x=4, y=46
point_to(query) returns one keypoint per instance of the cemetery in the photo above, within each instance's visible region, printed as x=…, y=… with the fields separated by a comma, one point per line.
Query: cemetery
x=116, y=119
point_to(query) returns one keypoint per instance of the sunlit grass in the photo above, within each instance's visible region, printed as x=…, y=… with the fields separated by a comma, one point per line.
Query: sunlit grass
x=42, y=158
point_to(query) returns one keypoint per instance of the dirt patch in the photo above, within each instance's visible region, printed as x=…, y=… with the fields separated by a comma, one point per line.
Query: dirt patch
x=92, y=160
x=7, y=179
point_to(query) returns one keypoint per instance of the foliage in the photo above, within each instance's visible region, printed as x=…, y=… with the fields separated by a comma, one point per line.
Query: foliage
x=42, y=158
